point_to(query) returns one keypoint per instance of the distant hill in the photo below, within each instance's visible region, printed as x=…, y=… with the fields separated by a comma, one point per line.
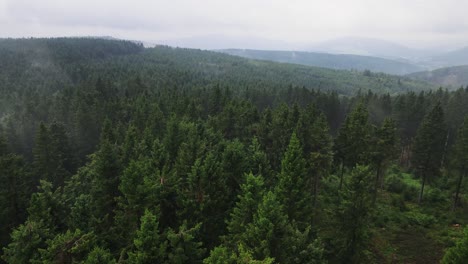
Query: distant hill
x=447, y=77
x=369, y=47
x=52, y=64
x=453, y=58
x=333, y=61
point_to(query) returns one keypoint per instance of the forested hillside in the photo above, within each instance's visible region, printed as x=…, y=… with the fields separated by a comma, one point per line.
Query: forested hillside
x=333, y=61
x=113, y=153
x=453, y=77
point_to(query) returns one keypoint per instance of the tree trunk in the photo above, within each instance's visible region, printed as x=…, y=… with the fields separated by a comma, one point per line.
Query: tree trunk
x=445, y=150
x=422, y=188
x=342, y=172
x=457, y=193
x=376, y=184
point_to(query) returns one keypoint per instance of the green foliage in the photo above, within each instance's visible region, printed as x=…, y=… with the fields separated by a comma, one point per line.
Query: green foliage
x=70, y=247
x=249, y=198
x=183, y=245
x=99, y=256
x=221, y=255
x=355, y=212
x=150, y=246
x=26, y=242
x=149, y=155
x=459, y=253
x=429, y=146
x=294, y=185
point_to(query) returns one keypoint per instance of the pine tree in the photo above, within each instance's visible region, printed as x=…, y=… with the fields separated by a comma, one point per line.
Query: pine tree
x=70, y=247
x=184, y=246
x=250, y=196
x=150, y=246
x=354, y=214
x=429, y=146
x=15, y=190
x=266, y=234
x=461, y=157
x=293, y=189
x=383, y=150
x=26, y=240
x=99, y=256
x=222, y=255
x=353, y=141
x=42, y=163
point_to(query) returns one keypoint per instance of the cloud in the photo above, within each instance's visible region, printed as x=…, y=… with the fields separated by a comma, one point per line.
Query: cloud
x=430, y=22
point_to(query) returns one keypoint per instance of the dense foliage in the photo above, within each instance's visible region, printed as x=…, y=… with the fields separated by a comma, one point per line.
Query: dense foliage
x=133, y=155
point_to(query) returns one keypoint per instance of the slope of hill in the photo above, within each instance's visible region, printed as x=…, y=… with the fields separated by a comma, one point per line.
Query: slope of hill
x=369, y=47
x=448, y=77
x=453, y=58
x=55, y=63
x=333, y=61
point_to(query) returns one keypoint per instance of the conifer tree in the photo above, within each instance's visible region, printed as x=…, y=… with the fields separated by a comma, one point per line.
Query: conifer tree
x=383, y=150
x=15, y=190
x=266, y=234
x=26, y=241
x=250, y=196
x=99, y=256
x=429, y=145
x=222, y=255
x=150, y=246
x=293, y=188
x=354, y=214
x=461, y=157
x=184, y=245
x=70, y=247
x=353, y=141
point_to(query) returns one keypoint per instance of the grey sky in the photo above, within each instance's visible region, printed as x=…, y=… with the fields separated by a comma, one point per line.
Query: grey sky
x=415, y=23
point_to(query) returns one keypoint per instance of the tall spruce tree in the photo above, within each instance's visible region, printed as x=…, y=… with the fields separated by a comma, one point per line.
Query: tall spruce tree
x=429, y=146
x=293, y=189
x=461, y=157
x=353, y=141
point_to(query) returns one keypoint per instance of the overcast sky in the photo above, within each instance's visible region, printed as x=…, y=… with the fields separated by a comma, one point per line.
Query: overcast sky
x=415, y=23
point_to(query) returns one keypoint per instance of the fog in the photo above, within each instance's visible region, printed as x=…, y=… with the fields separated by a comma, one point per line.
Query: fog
x=271, y=24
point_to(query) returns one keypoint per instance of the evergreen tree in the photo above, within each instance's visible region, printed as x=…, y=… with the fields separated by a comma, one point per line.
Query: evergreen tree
x=222, y=255
x=293, y=189
x=184, y=246
x=461, y=157
x=150, y=246
x=429, y=146
x=383, y=150
x=26, y=241
x=250, y=196
x=15, y=190
x=266, y=234
x=354, y=214
x=353, y=141
x=99, y=256
x=70, y=247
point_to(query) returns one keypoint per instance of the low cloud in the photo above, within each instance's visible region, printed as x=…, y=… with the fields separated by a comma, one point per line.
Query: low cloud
x=415, y=22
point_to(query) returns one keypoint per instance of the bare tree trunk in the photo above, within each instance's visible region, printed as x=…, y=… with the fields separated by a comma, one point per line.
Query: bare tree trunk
x=445, y=149
x=341, y=176
x=457, y=193
x=422, y=188
x=376, y=184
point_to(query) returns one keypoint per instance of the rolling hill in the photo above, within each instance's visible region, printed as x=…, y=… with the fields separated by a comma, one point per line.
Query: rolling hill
x=333, y=61
x=453, y=77
x=51, y=64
